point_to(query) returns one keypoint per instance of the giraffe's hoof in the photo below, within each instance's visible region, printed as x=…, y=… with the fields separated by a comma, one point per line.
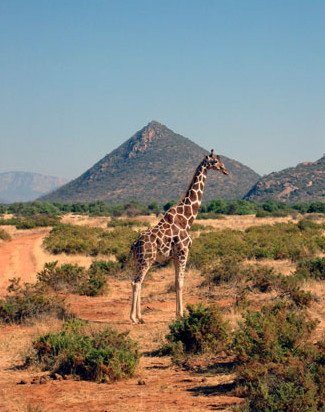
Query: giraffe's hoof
x=137, y=321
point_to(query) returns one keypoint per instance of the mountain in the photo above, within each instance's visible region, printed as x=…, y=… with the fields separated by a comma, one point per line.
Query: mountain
x=25, y=186
x=303, y=183
x=155, y=164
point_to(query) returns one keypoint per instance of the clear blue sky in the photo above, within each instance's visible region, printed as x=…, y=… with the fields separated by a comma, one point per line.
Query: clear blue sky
x=79, y=77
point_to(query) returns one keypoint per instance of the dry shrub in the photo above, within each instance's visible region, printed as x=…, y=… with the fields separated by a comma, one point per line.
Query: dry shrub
x=97, y=355
x=311, y=269
x=77, y=279
x=278, y=368
x=4, y=235
x=30, y=300
x=202, y=329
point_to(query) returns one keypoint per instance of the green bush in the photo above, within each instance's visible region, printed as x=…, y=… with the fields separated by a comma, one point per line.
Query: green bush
x=301, y=298
x=198, y=227
x=229, y=269
x=311, y=269
x=209, y=246
x=261, y=277
x=272, y=334
x=72, y=239
x=270, y=206
x=74, y=278
x=169, y=204
x=29, y=209
x=31, y=222
x=201, y=329
x=29, y=301
x=276, y=213
x=101, y=356
x=38, y=221
x=316, y=207
x=281, y=387
x=127, y=223
x=105, y=267
x=256, y=277
x=215, y=206
x=278, y=368
x=241, y=207
x=278, y=241
x=13, y=221
x=210, y=215
x=263, y=213
x=224, y=270
x=283, y=241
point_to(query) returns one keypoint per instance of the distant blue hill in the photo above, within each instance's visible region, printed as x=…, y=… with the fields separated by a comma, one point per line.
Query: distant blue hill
x=26, y=186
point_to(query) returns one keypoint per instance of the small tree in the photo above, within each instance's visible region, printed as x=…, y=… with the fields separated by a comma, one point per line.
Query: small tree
x=169, y=204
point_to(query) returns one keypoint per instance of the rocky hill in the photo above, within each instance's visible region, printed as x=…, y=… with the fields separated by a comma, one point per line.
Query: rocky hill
x=303, y=183
x=25, y=186
x=155, y=164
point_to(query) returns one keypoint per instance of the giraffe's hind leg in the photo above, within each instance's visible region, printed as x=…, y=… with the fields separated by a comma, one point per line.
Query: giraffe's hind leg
x=135, y=315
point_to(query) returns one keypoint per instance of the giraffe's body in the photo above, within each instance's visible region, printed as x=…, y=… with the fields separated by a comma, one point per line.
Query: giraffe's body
x=170, y=238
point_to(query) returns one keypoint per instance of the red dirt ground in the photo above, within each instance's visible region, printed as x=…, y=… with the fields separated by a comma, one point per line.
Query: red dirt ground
x=157, y=386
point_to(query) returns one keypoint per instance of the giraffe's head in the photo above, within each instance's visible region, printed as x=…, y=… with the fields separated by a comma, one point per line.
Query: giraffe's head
x=214, y=162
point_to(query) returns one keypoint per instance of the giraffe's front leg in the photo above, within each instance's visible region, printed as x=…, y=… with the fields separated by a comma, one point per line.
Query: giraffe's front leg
x=179, y=296
x=134, y=305
x=180, y=264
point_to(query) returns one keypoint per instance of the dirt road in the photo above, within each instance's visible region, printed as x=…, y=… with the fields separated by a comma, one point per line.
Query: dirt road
x=19, y=257
x=24, y=256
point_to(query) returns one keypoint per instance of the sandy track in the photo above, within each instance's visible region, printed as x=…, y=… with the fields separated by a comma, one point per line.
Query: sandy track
x=24, y=256
x=18, y=258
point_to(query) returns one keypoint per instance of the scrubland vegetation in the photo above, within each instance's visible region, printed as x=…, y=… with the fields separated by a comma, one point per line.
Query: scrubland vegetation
x=279, y=364
x=279, y=241
x=98, y=355
x=278, y=368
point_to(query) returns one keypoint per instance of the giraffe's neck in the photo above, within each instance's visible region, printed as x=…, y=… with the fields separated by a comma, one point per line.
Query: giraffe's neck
x=194, y=194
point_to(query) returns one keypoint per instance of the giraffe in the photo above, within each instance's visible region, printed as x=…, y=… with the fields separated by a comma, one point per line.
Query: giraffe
x=170, y=238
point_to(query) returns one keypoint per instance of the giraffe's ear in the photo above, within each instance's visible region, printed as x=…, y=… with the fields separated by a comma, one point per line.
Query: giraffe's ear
x=218, y=157
x=206, y=156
